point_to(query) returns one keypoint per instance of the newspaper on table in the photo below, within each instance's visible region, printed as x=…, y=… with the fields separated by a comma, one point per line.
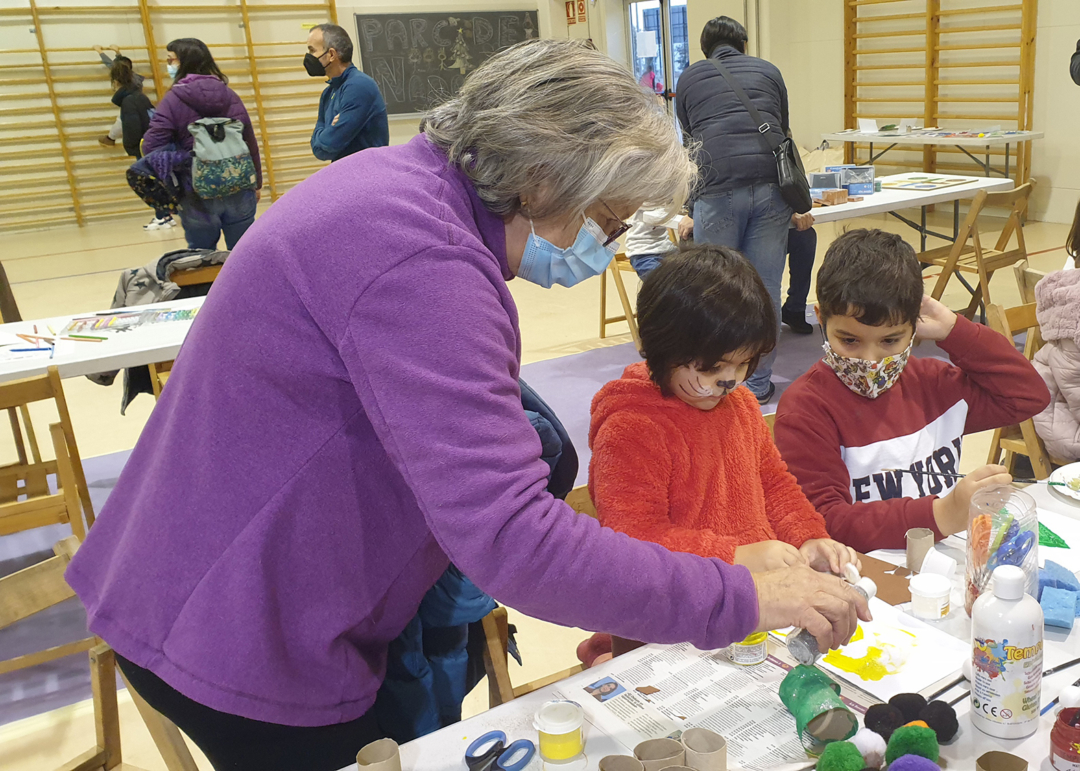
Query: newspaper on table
x=657, y=691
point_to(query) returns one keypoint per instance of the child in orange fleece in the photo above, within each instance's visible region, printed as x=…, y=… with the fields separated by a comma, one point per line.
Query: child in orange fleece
x=681, y=455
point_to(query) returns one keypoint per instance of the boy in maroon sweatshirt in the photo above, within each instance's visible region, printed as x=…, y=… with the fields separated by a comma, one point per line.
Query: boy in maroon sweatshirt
x=867, y=407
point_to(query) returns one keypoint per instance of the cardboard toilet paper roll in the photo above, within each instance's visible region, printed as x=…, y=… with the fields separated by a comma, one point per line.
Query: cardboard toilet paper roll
x=677, y=768
x=919, y=541
x=620, y=763
x=705, y=750
x=1000, y=761
x=379, y=756
x=658, y=754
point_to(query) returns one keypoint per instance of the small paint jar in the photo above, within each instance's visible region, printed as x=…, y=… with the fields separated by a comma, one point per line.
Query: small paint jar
x=930, y=596
x=559, y=724
x=753, y=650
x=1065, y=741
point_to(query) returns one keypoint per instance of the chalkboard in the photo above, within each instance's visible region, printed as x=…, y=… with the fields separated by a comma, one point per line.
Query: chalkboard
x=419, y=59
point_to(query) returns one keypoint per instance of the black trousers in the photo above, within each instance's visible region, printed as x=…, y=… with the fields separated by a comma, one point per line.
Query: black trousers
x=802, y=248
x=234, y=743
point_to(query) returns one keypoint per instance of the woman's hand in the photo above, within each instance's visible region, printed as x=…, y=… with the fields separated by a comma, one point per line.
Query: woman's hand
x=828, y=556
x=768, y=555
x=686, y=229
x=936, y=321
x=826, y=606
x=803, y=221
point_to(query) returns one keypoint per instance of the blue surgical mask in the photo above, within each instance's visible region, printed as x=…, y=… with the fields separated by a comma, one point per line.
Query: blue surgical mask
x=172, y=69
x=545, y=264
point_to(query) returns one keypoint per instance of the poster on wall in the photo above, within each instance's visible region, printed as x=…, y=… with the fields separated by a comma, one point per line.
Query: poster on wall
x=420, y=59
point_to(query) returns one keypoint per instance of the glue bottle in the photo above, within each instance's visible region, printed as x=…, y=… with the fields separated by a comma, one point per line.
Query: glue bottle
x=1006, y=657
x=803, y=646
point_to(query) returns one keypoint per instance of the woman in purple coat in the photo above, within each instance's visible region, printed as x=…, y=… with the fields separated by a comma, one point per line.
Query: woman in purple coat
x=199, y=91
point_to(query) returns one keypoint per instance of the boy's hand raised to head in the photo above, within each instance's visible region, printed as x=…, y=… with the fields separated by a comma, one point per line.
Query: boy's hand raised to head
x=951, y=512
x=768, y=555
x=935, y=320
x=826, y=606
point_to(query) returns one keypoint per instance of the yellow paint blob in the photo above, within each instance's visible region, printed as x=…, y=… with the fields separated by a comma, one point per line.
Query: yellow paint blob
x=875, y=665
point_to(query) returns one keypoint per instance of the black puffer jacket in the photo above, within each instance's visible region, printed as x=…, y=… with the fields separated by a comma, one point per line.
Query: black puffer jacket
x=732, y=154
x=1074, y=65
x=135, y=109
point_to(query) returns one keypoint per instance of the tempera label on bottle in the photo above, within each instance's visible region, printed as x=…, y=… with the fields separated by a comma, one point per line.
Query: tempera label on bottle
x=1008, y=681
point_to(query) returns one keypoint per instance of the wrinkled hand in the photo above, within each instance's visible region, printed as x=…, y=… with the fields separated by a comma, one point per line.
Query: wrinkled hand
x=828, y=556
x=768, y=555
x=803, y=221
x=686, y=229
x=951, y=512
x=826, y=606
x=935, y=320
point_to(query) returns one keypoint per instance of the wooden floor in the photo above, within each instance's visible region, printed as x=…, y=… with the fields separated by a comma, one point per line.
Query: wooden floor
x=74, y=270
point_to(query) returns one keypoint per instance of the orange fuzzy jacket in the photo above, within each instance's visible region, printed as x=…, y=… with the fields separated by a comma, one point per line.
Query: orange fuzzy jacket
x=692, y=481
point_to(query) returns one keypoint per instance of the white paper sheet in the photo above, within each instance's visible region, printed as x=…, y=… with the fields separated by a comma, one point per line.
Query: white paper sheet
x=895, y=653
x=682, y=688
x=867, y=125
x=1069, y=530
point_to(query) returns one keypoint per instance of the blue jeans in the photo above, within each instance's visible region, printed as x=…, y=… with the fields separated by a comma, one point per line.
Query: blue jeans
x=205, y=220
x=754, y=220
x=644, y=264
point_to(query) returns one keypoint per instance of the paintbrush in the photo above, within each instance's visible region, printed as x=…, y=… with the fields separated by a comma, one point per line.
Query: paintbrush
x=943, y=475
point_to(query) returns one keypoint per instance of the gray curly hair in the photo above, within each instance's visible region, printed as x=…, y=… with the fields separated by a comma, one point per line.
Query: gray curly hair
x=561, y=125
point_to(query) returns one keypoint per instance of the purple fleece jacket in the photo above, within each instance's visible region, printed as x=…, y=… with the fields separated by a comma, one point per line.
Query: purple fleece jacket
x=343, y=419
x=193, y=97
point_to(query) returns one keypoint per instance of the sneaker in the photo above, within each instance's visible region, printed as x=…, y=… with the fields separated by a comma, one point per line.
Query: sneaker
x=160, y=224
x=106, y=141
x=796, y=322
x=765, y=397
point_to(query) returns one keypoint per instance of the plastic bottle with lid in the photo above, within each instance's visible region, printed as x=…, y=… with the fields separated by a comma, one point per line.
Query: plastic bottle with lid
x=803, y=646
x=1006, y=659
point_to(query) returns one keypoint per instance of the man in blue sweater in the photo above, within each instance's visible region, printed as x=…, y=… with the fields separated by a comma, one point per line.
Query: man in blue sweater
x=352, y=114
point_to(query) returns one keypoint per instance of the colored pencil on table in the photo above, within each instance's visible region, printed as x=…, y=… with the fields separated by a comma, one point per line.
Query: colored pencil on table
x=961, y=476
x=85, y=339
x=25, y=350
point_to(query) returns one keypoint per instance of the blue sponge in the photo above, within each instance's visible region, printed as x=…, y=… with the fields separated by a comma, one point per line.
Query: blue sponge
x=1061, y=577
x=1059, y=607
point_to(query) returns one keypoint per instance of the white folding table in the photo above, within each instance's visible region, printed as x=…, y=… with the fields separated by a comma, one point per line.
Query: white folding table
x=957, y=138
x=142, y=345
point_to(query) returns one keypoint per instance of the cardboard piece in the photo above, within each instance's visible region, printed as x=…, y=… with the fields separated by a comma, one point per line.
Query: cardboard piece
x=658, y=754
x=1000, y=761
x=892, y=582
x=705, y=750
x=379, y=756
x=919, y=541
x=620, y=763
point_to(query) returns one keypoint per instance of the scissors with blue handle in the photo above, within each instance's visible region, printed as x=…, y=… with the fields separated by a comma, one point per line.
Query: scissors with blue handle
x=1013, y=551
x=499, y=756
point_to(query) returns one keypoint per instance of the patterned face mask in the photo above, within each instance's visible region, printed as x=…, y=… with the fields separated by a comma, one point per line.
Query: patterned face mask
x=868, y=378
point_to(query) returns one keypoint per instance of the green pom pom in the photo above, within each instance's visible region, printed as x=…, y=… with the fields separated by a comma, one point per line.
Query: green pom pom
x=912, y=740
x=841, y=756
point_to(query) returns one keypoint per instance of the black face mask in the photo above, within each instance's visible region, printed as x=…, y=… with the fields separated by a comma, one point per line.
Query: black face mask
x=313, y=66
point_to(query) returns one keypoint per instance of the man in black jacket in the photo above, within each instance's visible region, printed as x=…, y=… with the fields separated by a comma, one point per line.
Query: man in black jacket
x=738, y=202
x=1074, y=65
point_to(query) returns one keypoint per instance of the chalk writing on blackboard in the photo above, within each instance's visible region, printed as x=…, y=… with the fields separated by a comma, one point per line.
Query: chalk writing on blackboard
x=420, y=59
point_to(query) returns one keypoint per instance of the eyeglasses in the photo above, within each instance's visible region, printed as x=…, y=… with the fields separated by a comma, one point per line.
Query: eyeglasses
x=623, y=226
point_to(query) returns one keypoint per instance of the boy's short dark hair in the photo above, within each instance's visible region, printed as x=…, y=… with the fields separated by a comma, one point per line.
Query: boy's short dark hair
x=723, y=30
x=872, y=275
x=700, y=305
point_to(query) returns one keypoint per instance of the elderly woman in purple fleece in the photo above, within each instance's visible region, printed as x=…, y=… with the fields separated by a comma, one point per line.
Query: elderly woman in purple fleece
x=344, y=420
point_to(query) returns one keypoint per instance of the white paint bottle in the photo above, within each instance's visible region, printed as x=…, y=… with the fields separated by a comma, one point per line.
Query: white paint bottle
x=1007, y=654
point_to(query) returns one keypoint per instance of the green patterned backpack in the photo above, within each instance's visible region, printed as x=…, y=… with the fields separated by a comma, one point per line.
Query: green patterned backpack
x=221, y=162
